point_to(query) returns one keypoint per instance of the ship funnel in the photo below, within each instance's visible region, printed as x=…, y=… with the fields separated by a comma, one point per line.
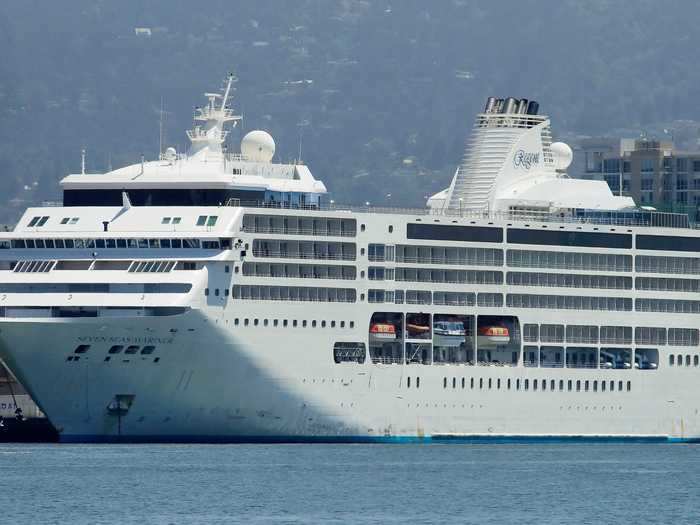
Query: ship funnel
x=509, y=105
x=522, y=106
x=533, y=107
x=490, y=103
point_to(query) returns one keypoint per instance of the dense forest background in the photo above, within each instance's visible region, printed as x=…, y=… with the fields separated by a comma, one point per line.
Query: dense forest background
x=382, y=93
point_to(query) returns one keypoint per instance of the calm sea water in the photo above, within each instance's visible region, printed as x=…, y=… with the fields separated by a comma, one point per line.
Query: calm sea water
x=528, y=483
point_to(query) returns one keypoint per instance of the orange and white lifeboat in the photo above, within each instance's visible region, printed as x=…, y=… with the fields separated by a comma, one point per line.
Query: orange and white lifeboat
x=382, y=332
x=493, y=335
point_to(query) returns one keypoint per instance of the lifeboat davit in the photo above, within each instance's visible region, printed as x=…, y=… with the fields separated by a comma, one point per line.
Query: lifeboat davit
x=382, y=332
x=418, y=331
x=493, y=335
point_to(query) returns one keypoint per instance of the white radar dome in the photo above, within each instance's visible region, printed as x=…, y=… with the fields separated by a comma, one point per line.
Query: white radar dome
x=258, y=146
x=562, y=155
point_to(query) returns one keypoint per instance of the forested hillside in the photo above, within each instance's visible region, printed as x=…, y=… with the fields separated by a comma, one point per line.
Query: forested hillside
x=383, y=92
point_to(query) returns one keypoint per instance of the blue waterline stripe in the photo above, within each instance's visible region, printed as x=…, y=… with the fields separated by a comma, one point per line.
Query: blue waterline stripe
x=475, y=439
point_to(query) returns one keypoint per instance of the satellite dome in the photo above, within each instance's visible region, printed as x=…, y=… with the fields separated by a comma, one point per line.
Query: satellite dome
x=562, y=155
x=258, y=146
x=171, y=154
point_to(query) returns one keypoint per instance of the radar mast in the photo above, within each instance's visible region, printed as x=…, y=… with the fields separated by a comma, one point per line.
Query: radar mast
x=206, y=139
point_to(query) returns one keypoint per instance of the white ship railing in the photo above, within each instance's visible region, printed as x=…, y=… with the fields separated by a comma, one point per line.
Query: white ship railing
x=613, y=218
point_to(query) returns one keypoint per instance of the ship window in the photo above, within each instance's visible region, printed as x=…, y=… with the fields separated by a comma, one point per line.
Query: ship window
x=517, y=384
x=352, y=324
x=602, y=386
x=454, y=233
x=121, y=243
x=294, y=323
x=595, y=386
x=696, y=361
x=246, y=321
x=264, y=322
x=74, y=220
x=570, y=238
x=417, y=382
x=43, y=220
x=342, y=324
x=165, y=243
x=471, y=383
x=235, y=321
x=216, y=292
x=303, y=323
x=166, y=220
x=509, y=384
x=462, y=383
x=527, y=384
x=226, y=291
x=351, y=352
x=313, y=323
x=585, y=386
x=481, y=383
x=534, y=384
x=30, y=243
x=132, y=349
x=408, y=382
x=148, y=349
x=177, y=220
x=323, y=324
x=391, y=229
x=256, y=321
x=33, y=221
x=115, y=349
x=629, y=386
x=211, y=221
x=332, y=324
x=143, y=243
x=176, y=243
x=490, y=380
x=65, y=220
x=687, y=360
x=568, y=385
x=454, y=382
x=671, y=359
x=100, y=243
x=201, y=220
x=110, y=243
x=156, y=359
x=275, y=322
x=362, y=227
x=82, y=349
x=679, y=360
x=619, y=386
x=612, y=386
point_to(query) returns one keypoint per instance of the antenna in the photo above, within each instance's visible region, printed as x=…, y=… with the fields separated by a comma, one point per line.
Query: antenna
x=301, y=126
x=160, y=136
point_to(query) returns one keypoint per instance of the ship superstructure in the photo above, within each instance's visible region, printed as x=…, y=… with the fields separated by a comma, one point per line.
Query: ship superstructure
x=211, y=296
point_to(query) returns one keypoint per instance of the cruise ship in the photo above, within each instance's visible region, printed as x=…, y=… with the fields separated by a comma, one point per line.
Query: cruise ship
x=211, y=296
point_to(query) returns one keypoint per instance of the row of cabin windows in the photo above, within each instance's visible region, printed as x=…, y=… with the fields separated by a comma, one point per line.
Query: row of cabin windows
x=568, y=385
x=294, y=323
x=678, y=360
x=41, y=220
x=298, y=225
x=557, y=333
x=294, y=293
x=186, y=243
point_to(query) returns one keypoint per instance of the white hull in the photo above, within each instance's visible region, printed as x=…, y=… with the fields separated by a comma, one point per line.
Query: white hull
x=217, y=383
